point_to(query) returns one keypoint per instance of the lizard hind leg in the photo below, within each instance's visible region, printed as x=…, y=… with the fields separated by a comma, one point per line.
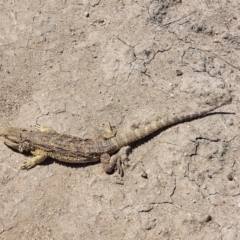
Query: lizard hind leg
x=38, y=157
x=117, y=160
x=109, y=132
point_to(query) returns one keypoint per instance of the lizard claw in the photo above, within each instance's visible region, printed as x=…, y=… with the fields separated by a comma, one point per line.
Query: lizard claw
x=109, y=132
x=42, y=128
x=121, y=158
x=119, y=167
x=27, y=164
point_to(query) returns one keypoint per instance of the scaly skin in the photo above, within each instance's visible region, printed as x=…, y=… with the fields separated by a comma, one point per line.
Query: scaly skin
x=45, y=142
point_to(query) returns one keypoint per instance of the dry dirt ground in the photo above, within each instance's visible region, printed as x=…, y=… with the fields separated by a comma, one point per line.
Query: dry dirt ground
x=78, y=65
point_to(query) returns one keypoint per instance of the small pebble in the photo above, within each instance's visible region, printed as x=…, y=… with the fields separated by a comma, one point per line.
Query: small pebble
x=208, y=218
x=179, y=72
x=144, y=174
x=230, y=177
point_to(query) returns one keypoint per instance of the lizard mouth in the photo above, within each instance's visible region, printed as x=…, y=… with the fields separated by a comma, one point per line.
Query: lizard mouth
x=11, y=137
x=11, y=144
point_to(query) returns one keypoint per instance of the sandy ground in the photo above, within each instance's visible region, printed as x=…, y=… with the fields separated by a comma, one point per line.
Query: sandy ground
x=78, y=65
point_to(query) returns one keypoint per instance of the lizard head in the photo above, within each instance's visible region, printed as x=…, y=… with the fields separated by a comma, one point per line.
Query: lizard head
x=12, y=137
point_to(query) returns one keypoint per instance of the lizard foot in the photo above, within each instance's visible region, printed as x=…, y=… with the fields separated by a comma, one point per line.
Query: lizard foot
x=117, y=160
x=28, y=164
x=33, y=161
x=109, y=132
x=42, y=128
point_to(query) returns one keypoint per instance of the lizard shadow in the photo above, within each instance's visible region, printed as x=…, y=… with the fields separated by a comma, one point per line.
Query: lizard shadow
x=50, y=160
x=71, y=165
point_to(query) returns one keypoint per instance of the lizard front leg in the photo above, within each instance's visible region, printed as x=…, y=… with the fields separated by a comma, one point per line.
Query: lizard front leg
x=42, y=128
x=117, y=160
x=39, y=156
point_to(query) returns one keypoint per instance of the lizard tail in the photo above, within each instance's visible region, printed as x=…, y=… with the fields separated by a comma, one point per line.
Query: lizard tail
x=140, y=132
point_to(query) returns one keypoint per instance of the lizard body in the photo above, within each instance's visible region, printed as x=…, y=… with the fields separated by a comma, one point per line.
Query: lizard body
x=45, y=142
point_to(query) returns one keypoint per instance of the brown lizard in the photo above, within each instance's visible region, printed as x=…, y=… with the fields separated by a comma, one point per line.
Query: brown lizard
x=45, y=142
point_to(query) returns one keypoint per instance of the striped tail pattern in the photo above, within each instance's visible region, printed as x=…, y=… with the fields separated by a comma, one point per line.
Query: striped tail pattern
x=126, y=138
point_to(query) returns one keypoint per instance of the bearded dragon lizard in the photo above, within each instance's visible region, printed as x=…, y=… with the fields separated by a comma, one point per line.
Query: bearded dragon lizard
x=45, y=142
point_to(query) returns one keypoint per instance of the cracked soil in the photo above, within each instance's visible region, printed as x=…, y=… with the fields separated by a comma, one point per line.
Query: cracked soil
x=78, y=65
